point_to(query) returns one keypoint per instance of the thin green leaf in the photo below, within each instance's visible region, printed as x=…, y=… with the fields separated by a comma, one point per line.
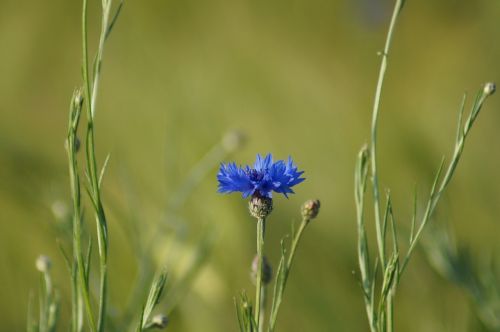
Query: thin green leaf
x=87, y=263
x=32, y=325
x=460, y=116
x=278, y=286
x=414, y=215
x=65, y=255
x=154, y=296
x=113, y=20
x=103, y=170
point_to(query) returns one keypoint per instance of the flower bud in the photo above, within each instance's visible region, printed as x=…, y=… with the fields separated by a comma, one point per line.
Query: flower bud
x=310, y=209
x=159, y=321
x=78, y=98
x=489, y=88
x=260, y=207
x=267, y=270
x=43, y=263
x=233, y=140
x=60, y=210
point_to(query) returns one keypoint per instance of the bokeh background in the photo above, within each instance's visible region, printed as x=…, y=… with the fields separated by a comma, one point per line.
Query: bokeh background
x=297, y=77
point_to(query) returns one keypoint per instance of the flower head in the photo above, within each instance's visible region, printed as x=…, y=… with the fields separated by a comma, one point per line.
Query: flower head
x=262, y=179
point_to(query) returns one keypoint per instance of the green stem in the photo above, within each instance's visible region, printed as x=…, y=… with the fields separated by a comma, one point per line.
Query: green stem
x=450, y=171
x=195, y=176
x=77, y=233
x=286, y=270
x=106, y=7
x=261, y=230
x=263, y=301
x=363, y=252
x=295, y=244
x=373, y=146
x=390, y=311
x=373, y=152
x=90, y=102
x=103, y=263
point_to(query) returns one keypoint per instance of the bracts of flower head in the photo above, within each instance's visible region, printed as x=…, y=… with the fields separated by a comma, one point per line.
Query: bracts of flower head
x=260, y=181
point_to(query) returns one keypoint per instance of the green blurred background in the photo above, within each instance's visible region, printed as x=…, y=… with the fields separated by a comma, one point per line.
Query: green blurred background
x=297, y=77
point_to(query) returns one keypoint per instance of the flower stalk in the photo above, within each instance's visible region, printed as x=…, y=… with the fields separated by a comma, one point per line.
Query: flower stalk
x=309, y=210
x=261, y=230
x=258, y=183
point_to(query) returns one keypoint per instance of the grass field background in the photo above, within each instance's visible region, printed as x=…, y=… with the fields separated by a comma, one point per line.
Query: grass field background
x=297, y=77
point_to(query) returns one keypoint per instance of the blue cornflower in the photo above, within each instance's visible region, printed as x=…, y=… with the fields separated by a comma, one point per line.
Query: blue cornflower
x=261, y=180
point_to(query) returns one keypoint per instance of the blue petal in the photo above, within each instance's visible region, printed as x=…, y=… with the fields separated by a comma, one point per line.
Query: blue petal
x=261, y=165
x=233, y=178
x=264, y=178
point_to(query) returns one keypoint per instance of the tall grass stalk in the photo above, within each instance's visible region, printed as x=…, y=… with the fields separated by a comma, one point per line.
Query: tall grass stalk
x=89, y=308
x=373, y=146
x=381, y=315
x=87, y=96
x=90, y=91
x=80, y=270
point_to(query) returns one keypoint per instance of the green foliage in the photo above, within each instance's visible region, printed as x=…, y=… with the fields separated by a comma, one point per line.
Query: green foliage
x=478, y=277
x=254, y=320
x=155, y=293
x=298, y=76
x=382, y=319
x=48, y=304
x=244, y=312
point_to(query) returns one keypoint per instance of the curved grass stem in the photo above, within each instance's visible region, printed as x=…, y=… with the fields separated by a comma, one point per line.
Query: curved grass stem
x=81, y=280
x=90, y=90
x=373, y=145
x=373, y=154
